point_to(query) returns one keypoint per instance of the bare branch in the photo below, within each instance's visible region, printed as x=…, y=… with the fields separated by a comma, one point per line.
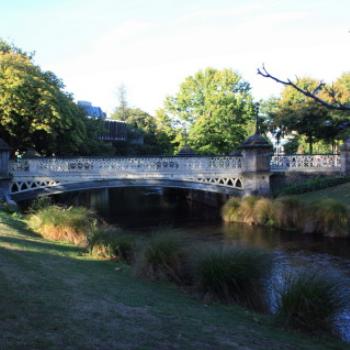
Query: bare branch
x=312, y=94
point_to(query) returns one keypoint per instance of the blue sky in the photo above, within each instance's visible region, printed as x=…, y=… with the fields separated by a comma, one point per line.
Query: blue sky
x=151, y=46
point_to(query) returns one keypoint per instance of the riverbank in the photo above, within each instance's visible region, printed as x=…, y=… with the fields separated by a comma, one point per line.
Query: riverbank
x=53, y=295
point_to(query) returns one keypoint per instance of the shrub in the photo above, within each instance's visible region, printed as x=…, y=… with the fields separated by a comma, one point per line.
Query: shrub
x=310, y=302
x=71, y=224
x=113, y=244
x=164, y=257
x=40, y=203
x=234, y=274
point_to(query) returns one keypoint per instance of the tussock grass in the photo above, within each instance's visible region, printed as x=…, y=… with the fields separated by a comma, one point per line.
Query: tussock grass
x=331, y=217
x=164, y=257
x=112, y=244
x=287, y=213
x=309, y=302
x=56, y=223
x=234, y=275
x=326, y=216
x=230, y=210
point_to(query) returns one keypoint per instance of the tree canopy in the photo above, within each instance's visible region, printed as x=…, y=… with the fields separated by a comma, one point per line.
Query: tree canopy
x=212, y=109
x=36, y=112
x=293, y=111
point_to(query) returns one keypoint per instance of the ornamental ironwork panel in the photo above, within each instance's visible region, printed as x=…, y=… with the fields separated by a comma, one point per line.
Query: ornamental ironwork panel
x=297, y=162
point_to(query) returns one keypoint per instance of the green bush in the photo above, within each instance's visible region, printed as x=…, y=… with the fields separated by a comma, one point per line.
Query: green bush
x=164, y=257
x=112, y=244
x=71, y=224
x=234, y=274
x=310, y=302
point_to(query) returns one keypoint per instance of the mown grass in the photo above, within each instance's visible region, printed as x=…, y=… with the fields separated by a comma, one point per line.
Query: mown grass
x=340, y=193
x=53, y=295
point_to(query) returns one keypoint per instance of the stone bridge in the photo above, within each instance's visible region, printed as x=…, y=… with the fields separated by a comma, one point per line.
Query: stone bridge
x=247, y=173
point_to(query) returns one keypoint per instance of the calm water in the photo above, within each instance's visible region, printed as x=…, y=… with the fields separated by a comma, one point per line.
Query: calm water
x=142, y=212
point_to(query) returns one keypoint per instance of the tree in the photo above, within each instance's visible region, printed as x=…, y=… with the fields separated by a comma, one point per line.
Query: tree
x=332, y=99
x=297, y=111
x=213, y=108
x=35, y=111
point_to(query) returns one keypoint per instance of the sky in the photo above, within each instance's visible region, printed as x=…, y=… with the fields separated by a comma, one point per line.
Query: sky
x=151, y=46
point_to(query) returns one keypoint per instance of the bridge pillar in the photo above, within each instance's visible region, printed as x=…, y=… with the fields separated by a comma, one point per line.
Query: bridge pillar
x=4, y=169
x=256, y=156
x=345, y=157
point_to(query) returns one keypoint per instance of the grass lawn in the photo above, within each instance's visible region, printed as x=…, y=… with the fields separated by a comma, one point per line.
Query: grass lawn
x=340, y=193
x=53, y=296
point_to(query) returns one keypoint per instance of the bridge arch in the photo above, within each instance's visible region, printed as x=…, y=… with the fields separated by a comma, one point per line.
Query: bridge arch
x=53, y=187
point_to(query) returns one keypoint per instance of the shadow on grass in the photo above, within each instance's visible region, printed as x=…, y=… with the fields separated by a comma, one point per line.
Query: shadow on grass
x=41, y=244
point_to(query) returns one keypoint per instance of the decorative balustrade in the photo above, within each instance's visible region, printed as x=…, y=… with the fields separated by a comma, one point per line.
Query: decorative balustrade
x=131, y=166
x=306, y=163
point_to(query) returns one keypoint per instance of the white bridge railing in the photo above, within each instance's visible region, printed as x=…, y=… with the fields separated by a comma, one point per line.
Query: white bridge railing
x=29, y=174
x=120, y=166
x=306, y=163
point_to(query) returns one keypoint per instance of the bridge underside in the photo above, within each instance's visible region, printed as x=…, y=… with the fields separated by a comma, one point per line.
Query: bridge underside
x=123, y=183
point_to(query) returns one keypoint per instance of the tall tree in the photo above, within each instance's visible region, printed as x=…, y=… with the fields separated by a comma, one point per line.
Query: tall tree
x=214, y=108
x=35, y=111
x=295, y=111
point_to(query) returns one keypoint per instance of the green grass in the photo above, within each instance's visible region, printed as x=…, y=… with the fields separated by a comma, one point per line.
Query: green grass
x=341, y=193
x=54, y=296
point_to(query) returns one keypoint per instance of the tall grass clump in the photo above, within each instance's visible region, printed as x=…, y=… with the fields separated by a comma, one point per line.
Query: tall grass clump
x=247, y=209
x=310, y=302
x=250, y=209
x=112, y=244
x=234, y=275
x=164, y=257
x=288, y=213
x=56, y=223
x=230, y=210
x=330, y=218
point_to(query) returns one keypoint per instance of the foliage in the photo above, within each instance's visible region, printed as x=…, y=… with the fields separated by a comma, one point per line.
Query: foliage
x=111, y=243
x=164, y=257
x=35, y=110
x=234, y=274
x=214, y=107
x=293, y=111
x=146, y=134
x=56, y=223
x=309, y=302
